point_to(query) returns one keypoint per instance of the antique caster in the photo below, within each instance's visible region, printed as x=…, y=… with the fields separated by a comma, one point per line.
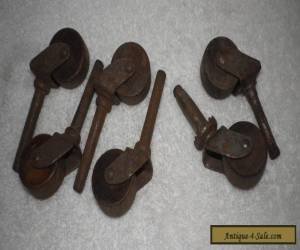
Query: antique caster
x=65, y=63
x=118, y=174
x=239, y=152
x=50, y=158
x=225, y=70
x=126, y=79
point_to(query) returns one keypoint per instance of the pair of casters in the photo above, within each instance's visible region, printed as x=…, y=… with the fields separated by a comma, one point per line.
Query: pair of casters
x=44, y=160
x=240, y=152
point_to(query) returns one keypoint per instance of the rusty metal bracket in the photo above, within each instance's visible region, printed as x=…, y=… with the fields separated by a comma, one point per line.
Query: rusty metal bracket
x=47, y=61
x=52, y=150
x=114, y=75
x=126, y=165
x=229, y=143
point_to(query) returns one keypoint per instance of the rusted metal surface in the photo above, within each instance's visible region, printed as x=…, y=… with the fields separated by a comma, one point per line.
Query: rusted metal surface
x=48, y=159
x=118, y=174
x=225, y=70
x=63, y=63
x=229, y=143
x=126, y=79
x=238, y=152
